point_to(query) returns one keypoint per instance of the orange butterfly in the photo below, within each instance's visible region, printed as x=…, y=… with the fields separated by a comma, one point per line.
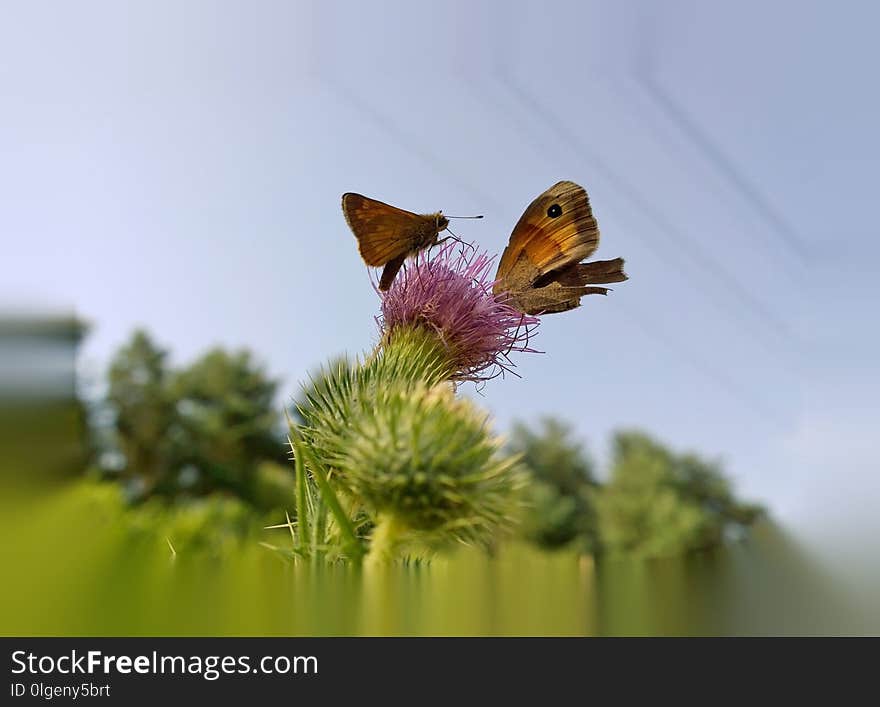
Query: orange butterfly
x=540, y=270
x=387, y=235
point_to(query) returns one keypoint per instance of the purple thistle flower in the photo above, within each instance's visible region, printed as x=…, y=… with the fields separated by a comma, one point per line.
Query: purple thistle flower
x=451, y=295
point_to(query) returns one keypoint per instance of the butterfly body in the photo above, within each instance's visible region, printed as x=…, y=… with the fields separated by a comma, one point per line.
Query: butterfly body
x=540, y=270
x=387, y=235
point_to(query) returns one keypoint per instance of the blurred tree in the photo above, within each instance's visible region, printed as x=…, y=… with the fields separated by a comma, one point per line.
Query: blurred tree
x=659, y=503
x=209, y=427
x=560, y=506
x=225, y=425
x=704, y=483
x=142, y=410
x=274, y=487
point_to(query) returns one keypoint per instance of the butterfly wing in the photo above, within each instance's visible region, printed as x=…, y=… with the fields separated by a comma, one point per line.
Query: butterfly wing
x=383, y=232
x=540, y=270
x=557, y=228
x=562, y=289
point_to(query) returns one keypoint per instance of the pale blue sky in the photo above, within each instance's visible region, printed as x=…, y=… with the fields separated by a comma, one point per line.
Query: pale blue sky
x=179, y=166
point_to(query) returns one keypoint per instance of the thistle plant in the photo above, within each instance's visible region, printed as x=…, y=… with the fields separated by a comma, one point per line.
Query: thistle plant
x=388, y=438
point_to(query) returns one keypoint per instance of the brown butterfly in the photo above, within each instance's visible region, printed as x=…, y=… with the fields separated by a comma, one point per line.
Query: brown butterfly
x=387, y=235
x=540, y=270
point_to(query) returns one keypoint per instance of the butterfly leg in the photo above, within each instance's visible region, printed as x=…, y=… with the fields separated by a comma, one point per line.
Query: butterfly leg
x=453, y=237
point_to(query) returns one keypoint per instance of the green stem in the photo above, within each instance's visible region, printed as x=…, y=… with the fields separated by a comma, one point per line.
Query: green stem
x=385, y=540
x=352, y=544
x=302, y=512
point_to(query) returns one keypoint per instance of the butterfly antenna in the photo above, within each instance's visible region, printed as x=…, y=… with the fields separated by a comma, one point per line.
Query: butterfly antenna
x=480, y=216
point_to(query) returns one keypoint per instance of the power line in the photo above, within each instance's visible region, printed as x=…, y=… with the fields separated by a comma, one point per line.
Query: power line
x=713, y=154
x=649, y=122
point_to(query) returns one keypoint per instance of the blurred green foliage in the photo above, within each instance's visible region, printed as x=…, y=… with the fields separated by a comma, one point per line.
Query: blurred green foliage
x=143, y=412
x=225, y=424
x=655, y=503
x=660, y=503
x=559, y=497
x=183, y=434
x=83, y=562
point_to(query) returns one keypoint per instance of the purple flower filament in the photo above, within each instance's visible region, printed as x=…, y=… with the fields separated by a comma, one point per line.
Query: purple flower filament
x=451, y=295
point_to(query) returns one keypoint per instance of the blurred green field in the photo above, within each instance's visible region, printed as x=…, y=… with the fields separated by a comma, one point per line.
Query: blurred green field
x=78, y=563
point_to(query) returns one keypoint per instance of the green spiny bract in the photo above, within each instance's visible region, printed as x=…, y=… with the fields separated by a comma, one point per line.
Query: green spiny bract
x=394, y=438
x=428, y=459
x=410, y=356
